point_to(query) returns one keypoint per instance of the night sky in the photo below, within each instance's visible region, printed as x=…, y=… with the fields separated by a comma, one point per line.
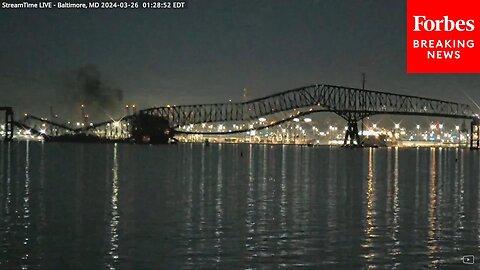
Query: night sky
x=210, y=52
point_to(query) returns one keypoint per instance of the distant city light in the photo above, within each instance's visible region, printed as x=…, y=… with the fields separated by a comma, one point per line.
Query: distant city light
x=418, y=126
x=397, y=126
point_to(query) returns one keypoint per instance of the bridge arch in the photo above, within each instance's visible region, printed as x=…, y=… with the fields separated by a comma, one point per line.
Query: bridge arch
x=352, y=104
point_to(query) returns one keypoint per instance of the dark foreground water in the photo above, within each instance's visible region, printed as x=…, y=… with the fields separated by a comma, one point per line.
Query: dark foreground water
x=76, y=206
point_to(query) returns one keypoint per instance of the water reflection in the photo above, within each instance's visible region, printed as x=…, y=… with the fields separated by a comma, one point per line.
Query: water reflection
x=432, y=211
x=396, y=210
x=236, y=207
x=26, y=208
x=115, y=217
x=370, y=213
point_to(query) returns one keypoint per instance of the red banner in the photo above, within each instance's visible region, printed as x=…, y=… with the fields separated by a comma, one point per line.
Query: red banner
x=443, y=36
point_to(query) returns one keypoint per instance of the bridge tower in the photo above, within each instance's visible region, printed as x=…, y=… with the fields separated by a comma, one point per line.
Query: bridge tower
x=352, y=138
x=9, y=127
x=351, y=135
x=475, y=134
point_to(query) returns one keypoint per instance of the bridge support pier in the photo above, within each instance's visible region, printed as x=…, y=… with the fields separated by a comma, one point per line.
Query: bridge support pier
x=9, y=126
x=475, y=134
x=351, y=135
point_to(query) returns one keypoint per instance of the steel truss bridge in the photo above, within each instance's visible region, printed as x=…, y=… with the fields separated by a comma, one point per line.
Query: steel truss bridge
x=351, y=104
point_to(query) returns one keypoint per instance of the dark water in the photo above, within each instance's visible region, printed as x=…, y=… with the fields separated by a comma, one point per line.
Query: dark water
x=74, y=206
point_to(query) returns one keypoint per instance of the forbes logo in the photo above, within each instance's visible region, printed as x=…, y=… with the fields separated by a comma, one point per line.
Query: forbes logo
x=422, y=23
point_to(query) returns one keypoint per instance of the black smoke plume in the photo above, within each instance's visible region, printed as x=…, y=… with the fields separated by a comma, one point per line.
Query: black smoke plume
x=87, y=87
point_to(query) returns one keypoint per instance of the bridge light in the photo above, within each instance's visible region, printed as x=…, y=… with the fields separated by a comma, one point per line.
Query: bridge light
x=397, y=126
x=78, y=124
x=262, y=119
x=296, y=120
x=457, y=128
x=307, y=120
x=28, y=132
x=374, y=125
x=116, y=124
x=43, y=131
x=418, y=127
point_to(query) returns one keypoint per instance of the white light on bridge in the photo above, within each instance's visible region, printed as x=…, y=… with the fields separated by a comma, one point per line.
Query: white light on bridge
x=307, y=120
x=397, y=126
x=296, y=120
x=261, y=119
x=457, y=128
x=418, y=126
